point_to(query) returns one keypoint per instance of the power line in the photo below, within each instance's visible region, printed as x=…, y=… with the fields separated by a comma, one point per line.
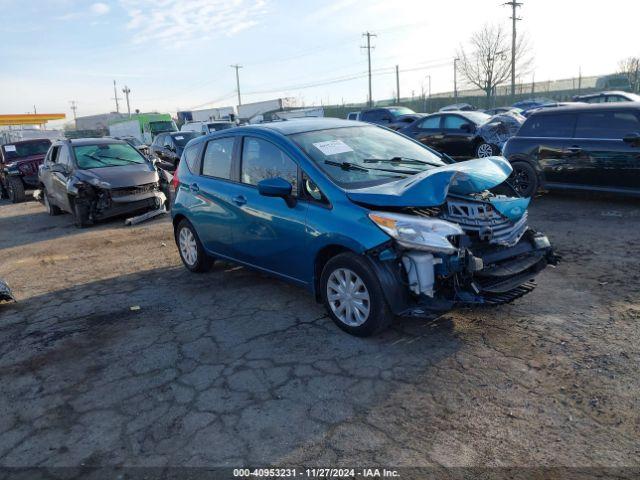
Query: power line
x=369, y=47
x=514, y=18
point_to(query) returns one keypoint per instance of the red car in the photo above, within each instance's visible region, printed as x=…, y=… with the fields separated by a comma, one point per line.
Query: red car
x=19, y=163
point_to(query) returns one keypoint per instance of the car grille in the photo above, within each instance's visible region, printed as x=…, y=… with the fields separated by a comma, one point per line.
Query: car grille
x=480, y=219
x=29, y=168
x=138, y=190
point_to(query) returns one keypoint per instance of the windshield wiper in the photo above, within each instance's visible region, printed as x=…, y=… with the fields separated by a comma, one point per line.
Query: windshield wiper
x=95, y=157
x=118, y=158
x=346, y=165
x=408, y=160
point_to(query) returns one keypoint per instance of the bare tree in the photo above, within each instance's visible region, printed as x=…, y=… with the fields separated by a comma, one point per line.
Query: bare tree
x=630, y=68
x=486, y=63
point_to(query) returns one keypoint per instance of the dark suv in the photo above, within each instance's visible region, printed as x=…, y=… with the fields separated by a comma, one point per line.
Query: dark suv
x=19, y=162
x=385, y=116
x=584, y=147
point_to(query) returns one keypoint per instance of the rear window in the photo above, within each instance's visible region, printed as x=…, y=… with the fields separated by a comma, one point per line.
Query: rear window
x=21, y=150
x=606, y=124
x=558, y=126
x=217, y=158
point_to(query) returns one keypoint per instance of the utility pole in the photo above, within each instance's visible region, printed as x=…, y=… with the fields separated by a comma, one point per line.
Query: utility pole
x=455, y=77
x=369, y=47
x=237, y=67
x=74, y=108
x=398, y=83
x=126, y=90
x=514, y=18
x=115, y=97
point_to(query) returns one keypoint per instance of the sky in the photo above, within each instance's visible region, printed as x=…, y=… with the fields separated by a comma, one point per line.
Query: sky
x=176, y=54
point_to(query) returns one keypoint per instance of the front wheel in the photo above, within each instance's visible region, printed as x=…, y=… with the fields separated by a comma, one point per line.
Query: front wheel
x=191, y=250
x=353, y=297
x=524, y=179
x=15, y=190
x=484, y=150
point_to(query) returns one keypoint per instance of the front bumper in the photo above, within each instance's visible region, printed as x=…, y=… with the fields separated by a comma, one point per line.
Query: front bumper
x=480, y=274
x=135, y=205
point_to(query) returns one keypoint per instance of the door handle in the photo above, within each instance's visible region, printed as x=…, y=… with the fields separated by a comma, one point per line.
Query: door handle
x=239, y=200
x=194, y=187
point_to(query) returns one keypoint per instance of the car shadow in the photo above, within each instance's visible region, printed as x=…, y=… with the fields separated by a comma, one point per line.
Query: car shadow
x=228, y=359
x=36, y=225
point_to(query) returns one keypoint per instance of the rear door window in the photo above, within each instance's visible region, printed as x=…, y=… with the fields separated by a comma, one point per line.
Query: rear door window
x=431, y=123
x=191, y=156
x=454, y=122
x=262, y=159
x=217, y=158
x=554, y=126
x=609, y=125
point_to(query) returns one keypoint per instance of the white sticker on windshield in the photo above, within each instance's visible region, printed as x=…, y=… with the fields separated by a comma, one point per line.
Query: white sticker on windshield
x=179, y=138
x=9, y=148
x=333, y=147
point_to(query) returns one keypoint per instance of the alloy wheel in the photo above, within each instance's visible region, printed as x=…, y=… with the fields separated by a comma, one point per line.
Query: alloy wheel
x=188, y=246
x=485, y=150
x=521, y=181
x=348, y=297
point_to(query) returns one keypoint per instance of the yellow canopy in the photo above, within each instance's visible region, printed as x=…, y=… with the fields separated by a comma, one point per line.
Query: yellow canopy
x=30, y=118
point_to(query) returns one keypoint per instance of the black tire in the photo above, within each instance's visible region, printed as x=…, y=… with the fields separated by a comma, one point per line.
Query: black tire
x=524, y=179
x=80, y=214
x=15, y=190
x=379, y=316
x=202, y=262
x=484, y=150
x=3, y=190
x=51, y=209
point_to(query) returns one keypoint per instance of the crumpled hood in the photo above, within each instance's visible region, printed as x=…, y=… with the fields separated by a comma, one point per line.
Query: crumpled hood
x=430, y=188
x=119, y=177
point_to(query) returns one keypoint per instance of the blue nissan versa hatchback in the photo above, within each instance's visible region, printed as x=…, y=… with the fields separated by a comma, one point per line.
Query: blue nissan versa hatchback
x=372, y=222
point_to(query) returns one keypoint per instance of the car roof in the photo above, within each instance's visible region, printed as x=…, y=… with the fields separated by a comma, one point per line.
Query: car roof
x=581, y=107
x=90, y=141
x=289, y=127
x=608, y=92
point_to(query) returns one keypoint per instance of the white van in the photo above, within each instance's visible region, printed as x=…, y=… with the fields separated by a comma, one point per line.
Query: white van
x=206, y=127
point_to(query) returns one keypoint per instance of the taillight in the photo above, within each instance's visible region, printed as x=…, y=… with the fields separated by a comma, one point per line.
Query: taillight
x=176, y=181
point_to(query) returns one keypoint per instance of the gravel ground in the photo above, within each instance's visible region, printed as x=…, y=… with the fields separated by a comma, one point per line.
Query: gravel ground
x=233, y=367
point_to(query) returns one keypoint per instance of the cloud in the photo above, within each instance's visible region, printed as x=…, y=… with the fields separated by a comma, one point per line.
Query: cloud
x=96, y=9
x=100, y=8
x=179, y=22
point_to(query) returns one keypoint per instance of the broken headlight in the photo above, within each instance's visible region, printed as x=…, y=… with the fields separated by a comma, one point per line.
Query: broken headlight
x=419, y=233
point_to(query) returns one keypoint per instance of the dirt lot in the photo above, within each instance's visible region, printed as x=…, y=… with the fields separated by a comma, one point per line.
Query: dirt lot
x=233, y=367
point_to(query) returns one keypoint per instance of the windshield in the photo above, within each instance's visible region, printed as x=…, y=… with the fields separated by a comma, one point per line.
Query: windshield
x=133, y=141
x=106, y=155
x=219, y=126
x=163, y=126
x=26, y=149
x=397, y=111
x=184, y=137
x=356, y=157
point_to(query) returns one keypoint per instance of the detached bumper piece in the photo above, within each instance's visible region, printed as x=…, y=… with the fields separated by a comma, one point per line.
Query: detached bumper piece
x=507, y=273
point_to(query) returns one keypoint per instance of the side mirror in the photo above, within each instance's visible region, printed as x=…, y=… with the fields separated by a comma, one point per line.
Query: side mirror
x=467, y=128
x=275, y=187
x=58, y=168
x=632, y=139
x=386, y=120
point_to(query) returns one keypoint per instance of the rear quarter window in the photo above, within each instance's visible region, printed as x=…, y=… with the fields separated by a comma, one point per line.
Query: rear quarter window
x=554, y=126
x=191, y=156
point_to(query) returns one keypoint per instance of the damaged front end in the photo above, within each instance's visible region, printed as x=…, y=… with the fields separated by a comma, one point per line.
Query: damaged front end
x=475, y=248
x=97, y=199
